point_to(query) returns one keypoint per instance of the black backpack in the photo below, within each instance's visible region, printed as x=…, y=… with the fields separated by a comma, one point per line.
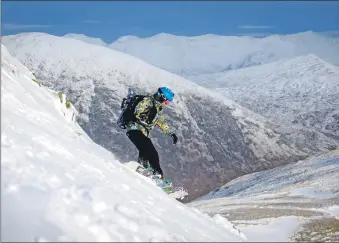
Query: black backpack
x=127, y=110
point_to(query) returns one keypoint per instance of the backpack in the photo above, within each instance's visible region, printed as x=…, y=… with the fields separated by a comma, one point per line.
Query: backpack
x=127, y=110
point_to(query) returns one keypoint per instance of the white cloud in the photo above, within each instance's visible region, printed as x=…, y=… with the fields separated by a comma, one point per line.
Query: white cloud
x=91, y=22
x=255, y=27
x=24, y=26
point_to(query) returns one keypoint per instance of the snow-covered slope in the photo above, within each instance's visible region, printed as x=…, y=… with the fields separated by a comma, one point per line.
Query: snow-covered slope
x=190, y=56
x=303, y=90
x=58, y=185
x=297, y=202
x=218, y=139
x=87, y=39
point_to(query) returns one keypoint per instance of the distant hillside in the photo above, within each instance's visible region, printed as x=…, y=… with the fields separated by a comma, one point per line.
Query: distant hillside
x=190, y=56
x=218, y=139
x=300, y=91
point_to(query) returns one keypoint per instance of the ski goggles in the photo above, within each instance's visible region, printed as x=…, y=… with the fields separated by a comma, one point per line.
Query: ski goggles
x=167, y=102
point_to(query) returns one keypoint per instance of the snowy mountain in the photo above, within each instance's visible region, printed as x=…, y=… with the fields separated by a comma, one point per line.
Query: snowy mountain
x=296, y=202
x=190, y=56
x=87, y=39
x=58, y=185
x=303, y=90
x=218, y=139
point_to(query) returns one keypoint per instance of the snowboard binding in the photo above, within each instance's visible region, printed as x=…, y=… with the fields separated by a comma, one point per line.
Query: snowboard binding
x=166, y=185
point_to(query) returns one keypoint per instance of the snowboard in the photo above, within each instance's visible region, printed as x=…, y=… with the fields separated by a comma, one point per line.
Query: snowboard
x=165, y=185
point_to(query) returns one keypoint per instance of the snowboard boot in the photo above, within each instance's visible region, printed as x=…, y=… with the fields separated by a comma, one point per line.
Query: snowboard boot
x=164, y=184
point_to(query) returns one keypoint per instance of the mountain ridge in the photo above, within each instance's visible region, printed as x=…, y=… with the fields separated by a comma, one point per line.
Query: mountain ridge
x=301, y=90
x=218, y=139
x=206, y=54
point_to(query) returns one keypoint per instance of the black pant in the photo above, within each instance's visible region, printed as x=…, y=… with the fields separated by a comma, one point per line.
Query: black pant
x=147, y=152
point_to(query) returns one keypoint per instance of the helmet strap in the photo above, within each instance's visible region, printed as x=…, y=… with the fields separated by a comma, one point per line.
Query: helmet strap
x=157, y=96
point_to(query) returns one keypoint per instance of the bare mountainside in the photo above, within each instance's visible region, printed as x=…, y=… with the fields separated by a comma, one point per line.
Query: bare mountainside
x=218, y=139
x=206, y=54
x=302, y=90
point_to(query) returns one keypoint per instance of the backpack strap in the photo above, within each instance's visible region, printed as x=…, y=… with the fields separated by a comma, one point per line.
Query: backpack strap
x=153, y=107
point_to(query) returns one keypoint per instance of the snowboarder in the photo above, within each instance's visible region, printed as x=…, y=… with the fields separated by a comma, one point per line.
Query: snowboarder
x=148, y=114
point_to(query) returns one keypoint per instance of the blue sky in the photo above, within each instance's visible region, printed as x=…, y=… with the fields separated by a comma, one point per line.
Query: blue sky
x=110, y=20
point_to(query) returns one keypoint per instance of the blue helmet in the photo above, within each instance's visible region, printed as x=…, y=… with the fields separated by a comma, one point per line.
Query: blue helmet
x=166, y=93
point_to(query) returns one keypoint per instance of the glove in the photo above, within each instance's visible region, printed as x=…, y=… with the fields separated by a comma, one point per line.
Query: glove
x=174, y=137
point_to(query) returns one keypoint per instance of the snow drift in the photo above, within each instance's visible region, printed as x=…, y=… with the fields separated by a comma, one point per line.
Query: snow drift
x=58, y=185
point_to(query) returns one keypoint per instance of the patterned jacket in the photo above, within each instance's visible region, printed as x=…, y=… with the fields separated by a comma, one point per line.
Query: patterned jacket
x=149, y=113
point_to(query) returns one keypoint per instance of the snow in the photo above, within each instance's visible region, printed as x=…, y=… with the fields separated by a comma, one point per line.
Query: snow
x=206, y=54
x=299, y=91
x=87, y=39
x=273, y=205
x=58, y=185
x=96, y=78
x=273, y=230
x=223, y=221
x=332, y=211
x=108, y=60
x=291, y=79
x=311, y=193
x=315, y=174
